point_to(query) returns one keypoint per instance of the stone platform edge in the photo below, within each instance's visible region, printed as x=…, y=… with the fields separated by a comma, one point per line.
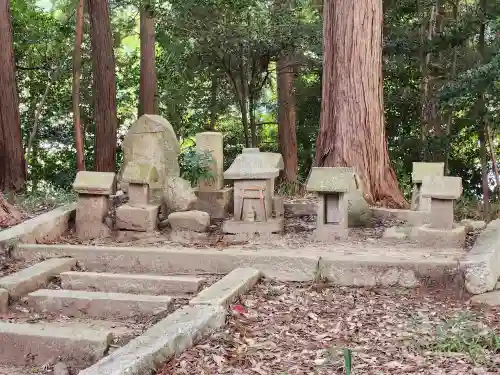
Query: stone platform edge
x=481, y=266
x=45, y=227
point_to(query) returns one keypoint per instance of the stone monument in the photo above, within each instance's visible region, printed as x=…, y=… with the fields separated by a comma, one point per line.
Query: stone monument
x=94, y=189
x=141, y=212
x=213, y=197
x=254, y=173
x=420, y=171
x=442, y=230
x=332, y=186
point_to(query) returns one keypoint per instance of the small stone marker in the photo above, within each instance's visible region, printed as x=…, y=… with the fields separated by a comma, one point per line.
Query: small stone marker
x=331, y=184
x=94, y=189
x=213, y=197
x=140, y=178
x=253, y=173
x=420, y=171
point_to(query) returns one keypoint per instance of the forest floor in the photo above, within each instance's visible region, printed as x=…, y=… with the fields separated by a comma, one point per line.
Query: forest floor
x=303, y=328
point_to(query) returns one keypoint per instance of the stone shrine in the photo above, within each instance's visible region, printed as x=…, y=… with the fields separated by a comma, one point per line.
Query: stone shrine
x=151, y=141
x=213, y=197
x=442, y=230
x=332, y=186
x=94, y=189
x=254, y=173
x=140, y=213
x=420, y=171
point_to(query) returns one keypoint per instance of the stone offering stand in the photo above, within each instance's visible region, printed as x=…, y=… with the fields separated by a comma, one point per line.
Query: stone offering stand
x=102, y=305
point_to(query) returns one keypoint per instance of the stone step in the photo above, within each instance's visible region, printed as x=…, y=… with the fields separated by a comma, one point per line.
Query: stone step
x=130, y=283
x=490, y=298
x=34, y=277
x=98, y=305
x=37, y=344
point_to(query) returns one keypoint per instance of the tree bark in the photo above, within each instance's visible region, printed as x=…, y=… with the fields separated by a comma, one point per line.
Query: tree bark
x=12, y=162
x=9, y=215
x=287, y=117
x=352, y=129
x=148, y=86
x=103, y=63
x=77, y=67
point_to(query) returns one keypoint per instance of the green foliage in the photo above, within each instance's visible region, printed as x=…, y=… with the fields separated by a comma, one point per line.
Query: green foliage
x=44, y=199
x=196, y=165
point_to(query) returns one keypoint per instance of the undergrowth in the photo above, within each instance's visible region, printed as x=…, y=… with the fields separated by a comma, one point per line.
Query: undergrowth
x=34, y=202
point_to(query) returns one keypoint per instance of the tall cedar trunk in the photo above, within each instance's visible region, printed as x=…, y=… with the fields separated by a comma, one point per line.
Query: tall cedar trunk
x=352, y=129
x=148, y=85
x=287, y=116
x=103, y=63
x=12, y=162
x=77, y=67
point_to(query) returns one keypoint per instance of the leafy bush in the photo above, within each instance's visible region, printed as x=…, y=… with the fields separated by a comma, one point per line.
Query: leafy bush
x=196, y=166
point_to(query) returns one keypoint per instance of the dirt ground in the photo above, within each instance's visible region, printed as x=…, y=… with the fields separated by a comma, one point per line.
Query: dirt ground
x=297, y=328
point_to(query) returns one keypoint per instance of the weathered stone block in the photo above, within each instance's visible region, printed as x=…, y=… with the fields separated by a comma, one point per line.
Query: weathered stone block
x=216, y=203
x=421, y=170
x=178, y=194
x=255, y=165
x=435, y=237
x=139, y=194
x=141, y=218
x=331, y=180
x=212, y=142
x=272, y=225
x=95, y=183
x=91, y=211
x=446, y=187
x=279, y=206
x=442, y=213
x=4, y=301
x=197, y=221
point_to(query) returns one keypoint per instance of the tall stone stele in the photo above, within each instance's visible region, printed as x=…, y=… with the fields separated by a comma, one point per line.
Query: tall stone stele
x=94, y=189
x=213, y=197
x=419, y=172
x=332, y=186
x=141, y=212
x=442, y=230
x=255, y=205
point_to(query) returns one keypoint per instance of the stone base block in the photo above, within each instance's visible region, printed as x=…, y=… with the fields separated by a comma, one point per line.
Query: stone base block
x=90, y=214
x=439, y=237
x=330, y=233
x=141, y=218
x=216, y=203
x=187, y=237
x=4, y=301
x=414, y=218
x=270, y=226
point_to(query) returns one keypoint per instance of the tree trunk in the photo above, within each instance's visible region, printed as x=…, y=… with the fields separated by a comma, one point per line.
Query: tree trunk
x=12, y=162
x=148, y=85
x=214, y=87
x=103, y=63
x=352, y=129
x=9, y=215
x=77, y=67
x=287, y=117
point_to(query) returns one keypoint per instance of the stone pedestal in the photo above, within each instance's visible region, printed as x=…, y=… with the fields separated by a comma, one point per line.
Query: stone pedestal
x=139, y=193
x=274, y=225
x=433, y=237
x=141, y=218
x=331, y=218
x=278, y=206
x=441, y=213
x=216, y=203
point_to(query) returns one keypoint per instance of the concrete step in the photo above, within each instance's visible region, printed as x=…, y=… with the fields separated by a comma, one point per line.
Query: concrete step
x=98, y=305
x=490, y=298
x=130, y=283
x=37, y=344
x=34, y=277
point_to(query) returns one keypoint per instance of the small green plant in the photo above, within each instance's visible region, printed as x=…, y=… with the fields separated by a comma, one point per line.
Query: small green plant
x=196, y=166
x=43, y=199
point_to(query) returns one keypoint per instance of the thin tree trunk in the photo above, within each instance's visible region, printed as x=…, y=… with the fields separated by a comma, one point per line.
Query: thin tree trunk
x=493, y=158
x=103, y=63
x=12, y=162
x=253, y=126
x=148, y=85
x=352, y=131
x=244, y=98
x=77, y=67
x=214, y=87
x=287, y=117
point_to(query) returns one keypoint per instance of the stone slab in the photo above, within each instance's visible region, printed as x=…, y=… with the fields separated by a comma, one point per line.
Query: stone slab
x=275, y=225
x=4, y=301
x=216, y=203
x=37, y=344
x=481, y=265
x=141, y=218
x=171, y=336
x=301, y=209
x=443, y=187
x=43, y=228
x=435, y=237
x=196, y=221
x=414, y=218
x=130, y=283
x=227, y=289
x=255, y=165
x=95, y=183
x=421, y=170
x=35, y=277
x=330, y=233
x=98, y=305
x=331, y=180
x=490, y=299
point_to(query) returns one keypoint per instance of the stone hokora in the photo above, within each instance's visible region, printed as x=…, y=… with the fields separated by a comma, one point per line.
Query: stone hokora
x=331, y=185
x=419, y=172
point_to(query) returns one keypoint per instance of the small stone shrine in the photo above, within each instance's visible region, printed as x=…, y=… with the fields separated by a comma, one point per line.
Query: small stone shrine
x=420, y=171
x=442, y=230
x=140, y=213
x=254, y=173
x=94, y=189
x=213, y=197
x=331, y=185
